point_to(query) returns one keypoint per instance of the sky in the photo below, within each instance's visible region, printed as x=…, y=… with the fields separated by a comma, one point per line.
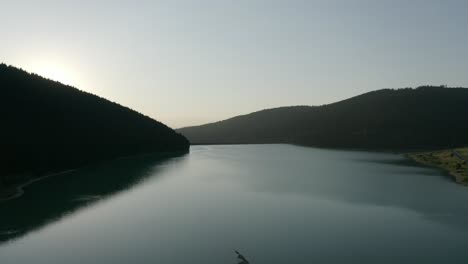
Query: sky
x=197, y=61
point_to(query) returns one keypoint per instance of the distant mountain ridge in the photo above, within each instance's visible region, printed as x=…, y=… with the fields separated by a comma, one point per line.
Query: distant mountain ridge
x=50, y=126
x=393, y=119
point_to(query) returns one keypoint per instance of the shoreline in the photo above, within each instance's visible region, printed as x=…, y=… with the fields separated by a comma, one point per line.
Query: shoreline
x=447, y=160
x=18, y=190
x=436, y=159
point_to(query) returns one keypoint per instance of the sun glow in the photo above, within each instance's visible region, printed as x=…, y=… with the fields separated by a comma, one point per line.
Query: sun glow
x=56, y=74
x=55, y=71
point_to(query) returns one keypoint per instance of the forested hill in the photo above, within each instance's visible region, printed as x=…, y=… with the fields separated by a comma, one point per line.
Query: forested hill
x=49, y=126
x=421, y=118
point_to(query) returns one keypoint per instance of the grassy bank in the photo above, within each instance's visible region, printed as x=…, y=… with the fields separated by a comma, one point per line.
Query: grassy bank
x=455, y=161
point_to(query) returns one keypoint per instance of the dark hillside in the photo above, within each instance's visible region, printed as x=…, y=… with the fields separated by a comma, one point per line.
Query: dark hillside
x=50, y=126
x=421, y=118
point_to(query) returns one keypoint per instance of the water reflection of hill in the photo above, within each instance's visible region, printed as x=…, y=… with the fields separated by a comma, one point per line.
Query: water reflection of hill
x=51, y=199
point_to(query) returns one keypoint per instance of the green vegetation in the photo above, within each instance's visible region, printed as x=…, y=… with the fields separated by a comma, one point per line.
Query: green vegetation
x=455, y=161
x=428, y=117
x=48, y=126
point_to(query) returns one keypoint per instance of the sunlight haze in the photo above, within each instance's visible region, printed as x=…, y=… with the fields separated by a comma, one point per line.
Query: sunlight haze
x=234, y=131
x=192, y=62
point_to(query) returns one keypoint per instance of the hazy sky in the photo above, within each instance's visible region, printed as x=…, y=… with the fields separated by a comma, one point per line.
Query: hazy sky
x=191, y=62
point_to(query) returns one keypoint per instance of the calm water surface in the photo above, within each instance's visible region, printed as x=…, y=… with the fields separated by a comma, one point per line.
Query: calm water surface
x=273, y=203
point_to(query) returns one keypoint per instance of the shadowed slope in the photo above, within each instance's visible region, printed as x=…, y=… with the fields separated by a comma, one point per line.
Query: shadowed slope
x=48, y=126
x=426, y=117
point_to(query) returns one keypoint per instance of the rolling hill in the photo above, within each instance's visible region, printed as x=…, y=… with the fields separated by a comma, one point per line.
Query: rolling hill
x=48, y=126
x=390, y=119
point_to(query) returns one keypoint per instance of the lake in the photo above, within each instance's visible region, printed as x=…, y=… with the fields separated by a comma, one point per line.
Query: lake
x=273, y=203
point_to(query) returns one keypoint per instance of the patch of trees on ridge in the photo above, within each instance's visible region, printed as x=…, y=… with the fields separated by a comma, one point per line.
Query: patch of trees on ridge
x=48, y=126
x=389, y=119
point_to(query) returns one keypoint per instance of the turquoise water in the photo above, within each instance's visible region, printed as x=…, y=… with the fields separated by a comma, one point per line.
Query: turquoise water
x=273, y=203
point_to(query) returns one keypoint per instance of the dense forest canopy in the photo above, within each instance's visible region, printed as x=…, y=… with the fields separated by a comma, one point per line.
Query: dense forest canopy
x=48, y=126
x=393, y=119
